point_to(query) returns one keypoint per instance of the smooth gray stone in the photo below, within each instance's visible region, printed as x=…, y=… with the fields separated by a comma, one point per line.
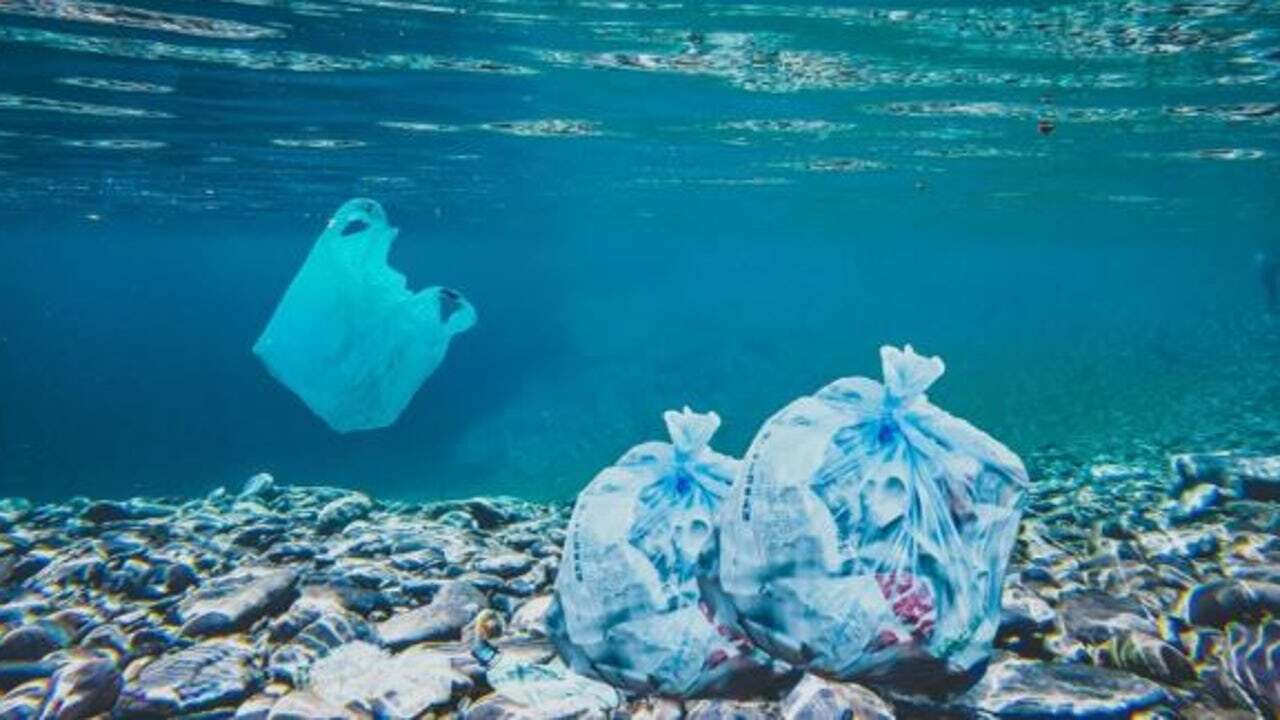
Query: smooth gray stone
x=1214, y=604
x=815, y=698
x=82, y=689
x=233, y=602
x=342, y=512
x=1032, y=689
x=32, y=642
x=453, y=606
x=1093, y=617
x=1246, y=476
x=213, y=673
x=1252, y=659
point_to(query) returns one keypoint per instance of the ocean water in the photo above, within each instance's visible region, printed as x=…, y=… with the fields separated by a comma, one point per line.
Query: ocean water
x=650, y=204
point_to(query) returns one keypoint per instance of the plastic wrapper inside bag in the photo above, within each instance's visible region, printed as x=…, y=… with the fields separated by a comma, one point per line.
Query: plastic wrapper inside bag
x=348, y=337
x=629, y=606
x=869, y=534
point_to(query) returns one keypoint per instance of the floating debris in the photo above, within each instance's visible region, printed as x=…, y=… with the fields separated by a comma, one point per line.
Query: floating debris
x=126, y=86
x=545, y=128
x=318, y=143
x=418, y=126
x=116, y=144
x=38, y=104
x=138, y=18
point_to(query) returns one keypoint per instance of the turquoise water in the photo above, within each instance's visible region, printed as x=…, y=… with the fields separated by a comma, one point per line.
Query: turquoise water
x=650, y=205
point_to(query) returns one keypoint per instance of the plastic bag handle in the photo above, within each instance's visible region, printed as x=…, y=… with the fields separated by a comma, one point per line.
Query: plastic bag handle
x=360, y=209
x=907, y=375
x=690, y=431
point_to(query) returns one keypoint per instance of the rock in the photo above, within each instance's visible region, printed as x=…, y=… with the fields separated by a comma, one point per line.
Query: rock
x=1195, y=503
x=23, y=702
x=1245, y=476
x=291, y=552
x=1252, y=659
x=732, y=710
x=1024, y=688
x=505, y=565
x=531, y=617
x=1023, y=613
x=82, y=689
x=306, y=705
x=329, y=630
x=32, y=642
x=258, y=707
x=262, y=485
x=233, y=602
x=487, y=513
x=106, y=511
x=212, y=673
x=542, y=690
x=1149, y=657
x=15, y=673
x=817, y=699
x=1214, y=604
x=452, y=608
x=1179, y=544
x=652, y=708
x=1093, y=617
x=361, y=675
x=342, y=512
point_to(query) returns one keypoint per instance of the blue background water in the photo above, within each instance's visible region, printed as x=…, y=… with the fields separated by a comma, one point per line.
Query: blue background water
x=650, y=205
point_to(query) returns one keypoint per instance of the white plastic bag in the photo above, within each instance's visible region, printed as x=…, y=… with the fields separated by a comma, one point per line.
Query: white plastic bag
x=869, y=534
x=348, y=337
x=629, y=608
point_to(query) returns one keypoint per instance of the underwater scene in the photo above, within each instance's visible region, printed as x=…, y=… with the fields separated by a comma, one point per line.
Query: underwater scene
x=639, y=359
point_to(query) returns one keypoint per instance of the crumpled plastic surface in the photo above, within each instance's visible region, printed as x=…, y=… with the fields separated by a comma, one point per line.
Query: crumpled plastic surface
x=628, y=605
x=348, y=337
x=869, y=534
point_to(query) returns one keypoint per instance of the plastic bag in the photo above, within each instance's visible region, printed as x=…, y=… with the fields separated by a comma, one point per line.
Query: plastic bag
x=628, y=606
x=348, y=337
x=869, y=535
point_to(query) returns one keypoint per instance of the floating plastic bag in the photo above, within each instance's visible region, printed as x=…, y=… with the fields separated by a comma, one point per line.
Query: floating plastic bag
x=628, y=606
x=348, y=337
x=869, y=534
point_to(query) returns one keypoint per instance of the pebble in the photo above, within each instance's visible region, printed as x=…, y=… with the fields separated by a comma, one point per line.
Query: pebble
x=362, y=676
x=1148, y=656
x=814, y=698
x=82, y=689
x=1195, y=503
x=305, y=705
x=262, y=485
x=1025, y=688
x=505, y=565
x=212, y=673
x=32, y=642
x=1252, y=659
x=1216, y=603
x=1093, y=617
x=233, y=602
x=453, y=607
x=1245, y=476
x=24, y=701
x=340, y=513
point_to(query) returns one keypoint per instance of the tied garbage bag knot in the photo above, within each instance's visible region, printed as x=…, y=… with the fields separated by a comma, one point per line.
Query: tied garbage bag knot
x=348, y=337
x=868, y=535
x=629, y=606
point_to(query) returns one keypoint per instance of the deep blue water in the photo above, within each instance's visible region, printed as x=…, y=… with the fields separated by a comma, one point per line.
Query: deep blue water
x=650, y=205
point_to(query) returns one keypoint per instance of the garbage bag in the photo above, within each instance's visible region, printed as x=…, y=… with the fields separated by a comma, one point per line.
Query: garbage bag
x=349, y=338
x=628, y=605
x=869, y=534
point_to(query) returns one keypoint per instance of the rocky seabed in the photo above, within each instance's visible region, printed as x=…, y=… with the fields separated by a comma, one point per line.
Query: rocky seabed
x=1133, y=592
